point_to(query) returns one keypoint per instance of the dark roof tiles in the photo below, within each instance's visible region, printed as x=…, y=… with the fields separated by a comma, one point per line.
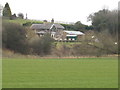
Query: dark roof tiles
x=45, y=26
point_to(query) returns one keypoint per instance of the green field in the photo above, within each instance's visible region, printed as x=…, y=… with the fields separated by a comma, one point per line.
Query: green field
x=60, y=73
x=22, y=21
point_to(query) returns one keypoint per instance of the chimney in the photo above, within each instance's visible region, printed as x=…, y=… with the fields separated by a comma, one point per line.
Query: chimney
x=26, y=16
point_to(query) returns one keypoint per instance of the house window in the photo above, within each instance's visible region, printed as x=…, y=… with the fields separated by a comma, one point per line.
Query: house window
x=65, y=39
x=69, y=38
x=73, y=39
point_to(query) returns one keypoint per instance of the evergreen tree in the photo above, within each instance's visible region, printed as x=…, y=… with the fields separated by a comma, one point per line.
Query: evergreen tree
x=7, y=11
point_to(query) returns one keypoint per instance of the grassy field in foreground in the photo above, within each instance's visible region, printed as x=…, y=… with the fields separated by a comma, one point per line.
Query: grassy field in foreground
x=60, y=73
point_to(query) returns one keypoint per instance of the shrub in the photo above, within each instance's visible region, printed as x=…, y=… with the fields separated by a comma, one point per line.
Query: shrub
x=107, y=42
x=85, y=49
x=62, y=50
x=14, y=37
x=41, y=45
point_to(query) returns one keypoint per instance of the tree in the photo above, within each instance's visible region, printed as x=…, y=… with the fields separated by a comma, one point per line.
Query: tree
x=20, y=15
x=78, y=26
x=7, y=11
x=68, y=26
x=105, y=19
x=107, y=42
x=14, y=37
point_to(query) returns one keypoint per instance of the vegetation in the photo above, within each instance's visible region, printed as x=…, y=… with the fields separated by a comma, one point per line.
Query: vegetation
x=20, y=15
x=18, y=39
x=23, y=22
x=14, y=37
x=41, y=46
x=7, y=15
x=94, y=44
x=28, y=23
x=101, y=41
x=78, y=26
x=7, y=11
x=107, y=42
x=68, y=26
x=105, y=20
x=23, y=40
x=60, y=73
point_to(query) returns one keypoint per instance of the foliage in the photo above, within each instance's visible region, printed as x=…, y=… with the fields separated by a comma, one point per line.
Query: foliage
x=29, y=33
x=14, y=37
x=24, y=22
x=68, y=26
x=105, y=19
x=61, y=50
x=41, y=46
x=7, y=11
x=21, y=15
x=93, y=44
x=107, y=42
x=89, y=27
x=85, y=49
x=78, y=26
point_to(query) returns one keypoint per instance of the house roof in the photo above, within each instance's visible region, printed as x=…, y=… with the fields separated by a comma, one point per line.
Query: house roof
x=74, y=33
x=46, y=26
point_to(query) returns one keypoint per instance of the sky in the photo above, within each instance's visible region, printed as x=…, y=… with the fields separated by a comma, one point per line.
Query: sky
x=61, y=10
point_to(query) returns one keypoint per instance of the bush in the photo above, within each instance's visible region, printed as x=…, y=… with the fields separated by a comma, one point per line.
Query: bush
x=62, y=50
x=85, y=49
x=14, y=37
x=41, y=45
x=108, y=42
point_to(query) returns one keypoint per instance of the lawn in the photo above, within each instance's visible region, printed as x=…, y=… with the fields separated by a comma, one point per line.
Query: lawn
x=60, y=73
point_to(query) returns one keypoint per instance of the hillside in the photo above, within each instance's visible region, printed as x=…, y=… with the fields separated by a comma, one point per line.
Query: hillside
x=24, y=21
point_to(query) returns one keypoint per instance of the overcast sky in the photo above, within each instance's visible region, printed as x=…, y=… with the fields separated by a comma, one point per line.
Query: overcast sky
x=60, y=10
